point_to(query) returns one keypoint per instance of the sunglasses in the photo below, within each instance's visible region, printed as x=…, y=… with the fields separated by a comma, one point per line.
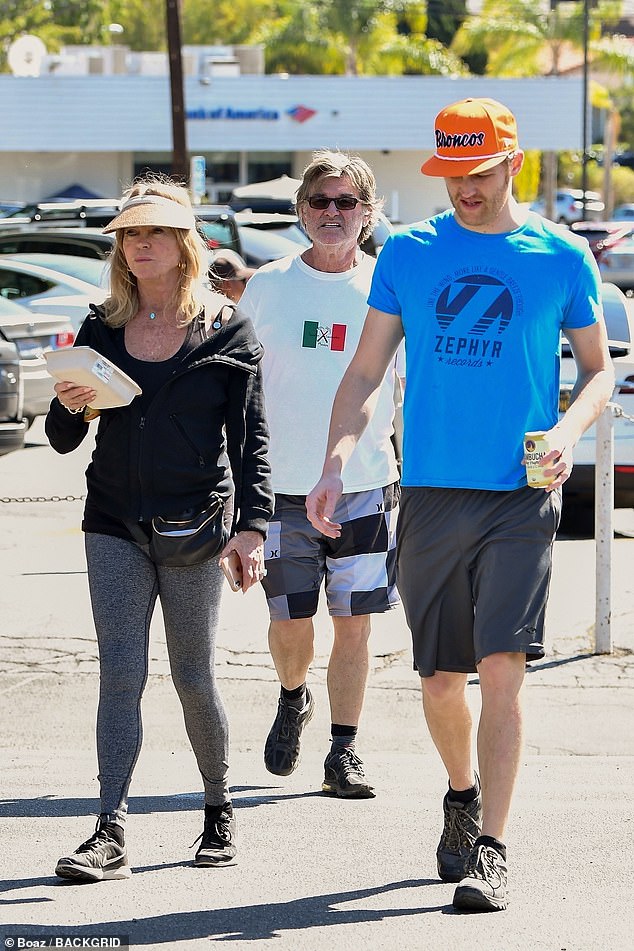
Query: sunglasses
x=341, y=203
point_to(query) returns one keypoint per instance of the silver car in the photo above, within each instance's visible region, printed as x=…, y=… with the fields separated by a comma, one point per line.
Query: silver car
x=617, y=264
x=34, y=335
x=579, y=489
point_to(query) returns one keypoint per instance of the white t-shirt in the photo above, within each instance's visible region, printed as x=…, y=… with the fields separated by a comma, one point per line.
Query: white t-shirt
x=310, y=322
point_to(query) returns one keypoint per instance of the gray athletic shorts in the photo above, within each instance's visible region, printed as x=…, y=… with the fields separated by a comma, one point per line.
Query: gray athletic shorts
x=473, y=570
x=359, y=568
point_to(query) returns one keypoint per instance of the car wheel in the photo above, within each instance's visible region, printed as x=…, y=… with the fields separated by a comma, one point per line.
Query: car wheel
x=577, y=520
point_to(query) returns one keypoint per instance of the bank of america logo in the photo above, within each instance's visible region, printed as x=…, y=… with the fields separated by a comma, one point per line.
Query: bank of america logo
x=301, y=113
x=334, y=338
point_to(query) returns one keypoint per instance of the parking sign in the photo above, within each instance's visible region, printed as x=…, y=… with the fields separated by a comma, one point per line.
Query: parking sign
x=197, y=177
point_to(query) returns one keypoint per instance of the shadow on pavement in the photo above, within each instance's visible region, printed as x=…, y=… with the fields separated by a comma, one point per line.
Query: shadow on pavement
x=49, y=807
x=241, y=922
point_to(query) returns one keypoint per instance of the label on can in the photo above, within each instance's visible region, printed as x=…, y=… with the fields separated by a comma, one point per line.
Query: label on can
x=535, y=448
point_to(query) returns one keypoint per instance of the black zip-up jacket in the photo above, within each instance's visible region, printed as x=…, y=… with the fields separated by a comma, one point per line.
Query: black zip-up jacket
x=174, y=456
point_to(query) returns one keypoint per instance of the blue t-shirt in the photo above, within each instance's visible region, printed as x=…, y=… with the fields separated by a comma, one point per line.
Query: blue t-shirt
x=482, y=316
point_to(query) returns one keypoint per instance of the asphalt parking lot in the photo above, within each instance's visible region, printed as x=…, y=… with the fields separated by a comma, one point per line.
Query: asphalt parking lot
x=313, y=872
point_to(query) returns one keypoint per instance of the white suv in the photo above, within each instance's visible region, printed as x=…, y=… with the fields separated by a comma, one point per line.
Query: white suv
x=569, y=206
x=579, y=489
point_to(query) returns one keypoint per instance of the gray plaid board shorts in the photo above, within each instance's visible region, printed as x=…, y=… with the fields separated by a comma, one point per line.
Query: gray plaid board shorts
x=358, y=569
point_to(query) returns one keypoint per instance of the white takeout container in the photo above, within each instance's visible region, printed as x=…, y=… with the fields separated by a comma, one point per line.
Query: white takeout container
x=85, y=367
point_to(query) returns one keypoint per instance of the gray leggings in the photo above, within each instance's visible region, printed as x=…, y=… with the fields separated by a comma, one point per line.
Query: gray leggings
x=124, y=585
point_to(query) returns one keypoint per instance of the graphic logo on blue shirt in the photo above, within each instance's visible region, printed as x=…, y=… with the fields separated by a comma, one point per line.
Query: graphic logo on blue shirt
x=472, y=311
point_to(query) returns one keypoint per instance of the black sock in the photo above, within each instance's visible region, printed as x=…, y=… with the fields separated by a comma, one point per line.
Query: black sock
x=295, y=697
x=343, y=735
x=213, y=811
x=465, y=795
x=492, y=842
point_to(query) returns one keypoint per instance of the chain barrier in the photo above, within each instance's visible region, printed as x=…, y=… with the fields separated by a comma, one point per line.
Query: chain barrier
x=42, y=498
x=619, y=412
x=616, y=408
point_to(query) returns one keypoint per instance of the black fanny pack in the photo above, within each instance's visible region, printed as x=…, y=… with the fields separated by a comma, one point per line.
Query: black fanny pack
x=190, y=538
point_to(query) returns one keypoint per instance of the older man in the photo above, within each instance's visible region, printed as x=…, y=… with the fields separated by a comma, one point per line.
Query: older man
x=308, y=311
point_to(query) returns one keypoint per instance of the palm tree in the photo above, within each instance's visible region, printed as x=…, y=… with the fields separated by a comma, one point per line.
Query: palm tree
x=528, y=38
x=354, y=37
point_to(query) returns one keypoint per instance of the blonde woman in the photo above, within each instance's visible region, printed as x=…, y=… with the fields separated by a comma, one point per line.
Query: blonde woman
x=197, y=428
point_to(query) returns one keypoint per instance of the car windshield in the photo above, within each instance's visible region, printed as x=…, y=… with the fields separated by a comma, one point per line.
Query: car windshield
x=218, y=234
x=91, y=270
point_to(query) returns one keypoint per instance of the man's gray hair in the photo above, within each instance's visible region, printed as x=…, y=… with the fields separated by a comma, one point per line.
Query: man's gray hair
x=333, y=164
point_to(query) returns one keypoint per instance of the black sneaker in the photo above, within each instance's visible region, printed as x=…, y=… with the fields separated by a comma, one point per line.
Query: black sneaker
x=463, y=825
x=484, y=886
x=218, y=845
x=281, y=751
x=100, y=858
x=344, y=776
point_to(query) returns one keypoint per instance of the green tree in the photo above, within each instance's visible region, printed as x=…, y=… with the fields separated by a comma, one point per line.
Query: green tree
x=80, y=21
x=444, y=17
x=524, y=38
x=354, y=37
x=226, y=21
x=143, y=23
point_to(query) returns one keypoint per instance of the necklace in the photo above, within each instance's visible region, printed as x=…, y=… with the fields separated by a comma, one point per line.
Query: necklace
x=152, y=315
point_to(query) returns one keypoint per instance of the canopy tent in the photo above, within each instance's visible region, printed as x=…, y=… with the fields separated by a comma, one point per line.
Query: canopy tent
x=277, y=194
x=72, y=193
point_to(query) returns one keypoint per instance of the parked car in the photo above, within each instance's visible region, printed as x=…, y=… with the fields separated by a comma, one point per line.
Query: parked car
x=623, y=213
x=218, y=227
x=569, y=206
x=83, y=213
x=258, y=250
x=579, y=489
x=259, y=246
x=91, y=270
x=82, y=242
x=7, y=206
x=34, y=335
x=617, y=264
x=602, y=235
x=12, y=424
x=43, y=290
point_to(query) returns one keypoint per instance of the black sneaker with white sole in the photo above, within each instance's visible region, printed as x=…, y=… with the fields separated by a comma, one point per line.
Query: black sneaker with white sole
x=100, y=858
x=218, y=838
x=344, y=775
x=484, y=886
x=281, y=750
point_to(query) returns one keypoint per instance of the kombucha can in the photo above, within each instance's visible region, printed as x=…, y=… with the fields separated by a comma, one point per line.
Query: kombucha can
x=535, y=448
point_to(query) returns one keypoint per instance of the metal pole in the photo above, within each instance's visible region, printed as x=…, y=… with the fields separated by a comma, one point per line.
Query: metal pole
x=603, y=529
x=180, y=168
x=584, y=155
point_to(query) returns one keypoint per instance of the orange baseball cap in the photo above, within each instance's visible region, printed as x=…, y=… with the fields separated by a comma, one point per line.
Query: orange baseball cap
x=472, y=135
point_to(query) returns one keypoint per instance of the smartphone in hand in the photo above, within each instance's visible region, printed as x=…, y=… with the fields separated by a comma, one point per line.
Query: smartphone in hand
x=232, y=568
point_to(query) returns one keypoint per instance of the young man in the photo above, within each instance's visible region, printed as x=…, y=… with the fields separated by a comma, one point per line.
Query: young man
x=482, y=294
x=308, y=311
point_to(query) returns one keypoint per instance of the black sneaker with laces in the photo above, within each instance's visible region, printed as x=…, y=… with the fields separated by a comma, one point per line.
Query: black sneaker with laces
x=281, y=750
x=218, y=838
x=100, y=858
x=484, y=886
x=344, y=776
x=463, y=825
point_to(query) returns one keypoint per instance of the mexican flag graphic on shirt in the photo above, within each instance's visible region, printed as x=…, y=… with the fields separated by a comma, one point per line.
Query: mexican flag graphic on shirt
x=315, y=335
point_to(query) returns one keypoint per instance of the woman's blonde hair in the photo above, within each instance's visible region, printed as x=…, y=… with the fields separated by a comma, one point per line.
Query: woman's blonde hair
x=123, y=302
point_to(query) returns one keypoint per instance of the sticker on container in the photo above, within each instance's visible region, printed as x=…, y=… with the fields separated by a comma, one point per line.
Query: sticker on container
x=103, y=370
